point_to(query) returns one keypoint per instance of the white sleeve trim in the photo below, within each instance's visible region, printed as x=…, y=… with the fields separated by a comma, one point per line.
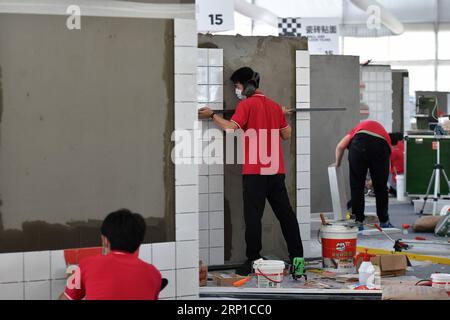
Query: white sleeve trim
x=67, y=296
x=236, y=124
x=285, y=127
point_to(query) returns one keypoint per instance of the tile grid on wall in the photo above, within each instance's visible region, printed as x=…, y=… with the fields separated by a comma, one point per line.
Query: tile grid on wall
x=377, y=93
x=211, y=179
x=186, y=190
x=41, y=275
x=303, y=148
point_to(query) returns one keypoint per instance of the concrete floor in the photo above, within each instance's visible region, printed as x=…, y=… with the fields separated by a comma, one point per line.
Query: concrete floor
x=400, y=213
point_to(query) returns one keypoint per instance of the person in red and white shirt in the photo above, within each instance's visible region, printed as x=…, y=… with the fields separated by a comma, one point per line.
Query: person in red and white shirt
x=397, y=160
x=369, y=148
x=120, y=274
x=264, y=125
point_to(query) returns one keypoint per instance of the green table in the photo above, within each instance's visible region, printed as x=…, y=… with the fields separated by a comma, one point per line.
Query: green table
x=420, y=158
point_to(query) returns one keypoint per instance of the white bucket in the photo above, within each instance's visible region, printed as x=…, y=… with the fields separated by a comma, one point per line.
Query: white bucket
x=338, y=248
x=441, y=281
x=445, y=210
x=269, y=273
x=400, y=187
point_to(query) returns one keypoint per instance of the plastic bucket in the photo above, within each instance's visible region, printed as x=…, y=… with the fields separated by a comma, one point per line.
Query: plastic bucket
x=441, y=281
x=400, y=187
x=269, y=273
x=339, y=248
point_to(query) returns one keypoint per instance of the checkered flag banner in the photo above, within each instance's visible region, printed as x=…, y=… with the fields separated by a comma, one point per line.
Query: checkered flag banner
x=289, y=27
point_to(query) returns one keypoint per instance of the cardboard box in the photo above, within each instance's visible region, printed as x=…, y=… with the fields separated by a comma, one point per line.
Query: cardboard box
x=391, y=265
x=203, y=274
x=226, y=279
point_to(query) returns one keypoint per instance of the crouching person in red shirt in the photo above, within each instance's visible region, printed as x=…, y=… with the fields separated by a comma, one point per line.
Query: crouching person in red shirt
x=118, y=274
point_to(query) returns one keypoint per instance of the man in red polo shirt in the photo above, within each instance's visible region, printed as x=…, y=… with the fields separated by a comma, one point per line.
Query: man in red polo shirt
x=264, y=124
x=397, y=160
x=369, y=148
x=120, y=274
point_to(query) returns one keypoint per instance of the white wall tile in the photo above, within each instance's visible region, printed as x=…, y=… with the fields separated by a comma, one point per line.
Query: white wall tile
x=170, y=290
x=216, y=256
x=203, y=184
x=216, y=238
x=37, y=290
x=186, y=174
x=303, y=128
x=11, y=291
x=187, y=227
x=145, y=253
x=215, y=57
x=216, y=202
x=185, y=115
x=303, y=180
x=185, y=88
x=305, y=231
x=216, y=169
x=185, y=60
x=202, y=93
x=304, y=198
x=11, y=267
x=203, y=218
x=202, y=75
x=185, y=33
x=187, y=254
x=203, y=169
x=215, y=75
x=216, y=220
x=303, y=163
x=302, y=59
x=304, y=146
x=187, y=282
x=163, y=255
x=185, y=199
x=57, y=265
x=303, y=76
x=216, y=184
x=304, y=214
x=37, y=265
x=203, y=202
x=307, y=252
x=204, y=238
x=202, y=60
x=204, y=255
x=303, y=94
x=57, y=287
x=215, y=93
x=215, y=106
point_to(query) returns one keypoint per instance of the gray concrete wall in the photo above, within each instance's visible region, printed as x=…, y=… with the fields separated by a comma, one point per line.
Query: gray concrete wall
x=86, y=125
x=334, y=83
x=398, y=79
x=274, y=59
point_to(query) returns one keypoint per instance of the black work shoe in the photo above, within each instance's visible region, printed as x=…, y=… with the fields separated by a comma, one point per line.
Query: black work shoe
x=245, y=269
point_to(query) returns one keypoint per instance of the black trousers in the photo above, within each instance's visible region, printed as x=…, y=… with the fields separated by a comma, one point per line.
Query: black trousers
x=371, y=153
x=258, y=188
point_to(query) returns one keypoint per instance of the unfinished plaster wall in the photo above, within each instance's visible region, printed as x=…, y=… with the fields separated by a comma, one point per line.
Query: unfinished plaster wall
x=334, y=83
x=275, y=59
x=87, y=120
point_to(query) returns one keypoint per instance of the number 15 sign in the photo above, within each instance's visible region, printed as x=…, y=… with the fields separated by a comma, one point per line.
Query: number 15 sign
x=215, y=15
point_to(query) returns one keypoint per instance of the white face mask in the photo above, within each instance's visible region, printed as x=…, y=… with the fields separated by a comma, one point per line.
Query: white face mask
x=239, y=94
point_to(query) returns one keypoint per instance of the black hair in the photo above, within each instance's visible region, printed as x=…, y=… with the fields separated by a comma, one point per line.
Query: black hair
x=396, y=137
x=124, y=230
x=393, y=137
x=248, y=78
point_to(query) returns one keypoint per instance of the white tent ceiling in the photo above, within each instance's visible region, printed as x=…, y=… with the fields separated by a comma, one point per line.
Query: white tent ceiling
x=407, y=11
